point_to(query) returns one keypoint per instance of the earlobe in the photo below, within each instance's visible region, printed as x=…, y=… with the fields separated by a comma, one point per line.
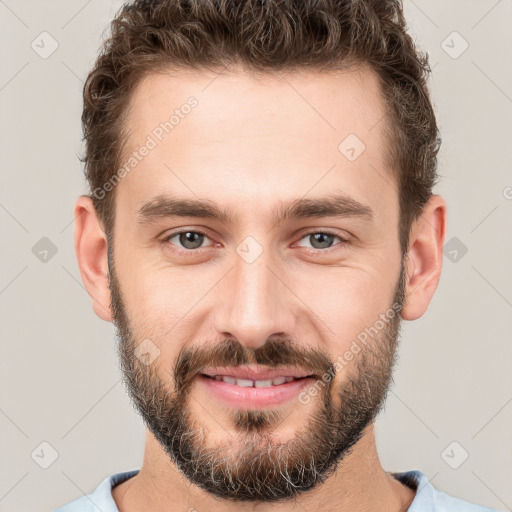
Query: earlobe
x=91, y=253
x=425, y=258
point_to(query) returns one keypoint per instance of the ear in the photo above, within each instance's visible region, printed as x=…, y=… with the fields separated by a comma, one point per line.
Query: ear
x=91, y=254
x=425, y=258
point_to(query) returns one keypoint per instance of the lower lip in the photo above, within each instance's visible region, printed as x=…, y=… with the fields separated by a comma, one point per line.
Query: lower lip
x=238, y=396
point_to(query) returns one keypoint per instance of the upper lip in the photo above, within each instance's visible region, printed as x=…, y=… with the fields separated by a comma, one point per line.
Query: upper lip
x=255, y=372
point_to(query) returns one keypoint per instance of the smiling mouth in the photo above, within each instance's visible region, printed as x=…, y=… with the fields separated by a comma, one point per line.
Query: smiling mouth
x=255, y=383
x=254, y=386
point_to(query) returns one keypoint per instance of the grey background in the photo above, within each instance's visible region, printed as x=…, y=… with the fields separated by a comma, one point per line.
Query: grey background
x=60, y=382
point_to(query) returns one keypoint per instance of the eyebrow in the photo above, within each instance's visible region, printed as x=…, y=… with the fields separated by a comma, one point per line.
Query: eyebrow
x=163, y=206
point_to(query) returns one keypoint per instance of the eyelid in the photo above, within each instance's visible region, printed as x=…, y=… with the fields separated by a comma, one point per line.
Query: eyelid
x=326, y=231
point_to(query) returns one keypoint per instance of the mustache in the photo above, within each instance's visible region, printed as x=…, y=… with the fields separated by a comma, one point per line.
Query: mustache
x=276, y=352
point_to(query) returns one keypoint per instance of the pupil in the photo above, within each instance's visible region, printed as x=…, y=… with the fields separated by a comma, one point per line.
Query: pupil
x=317, y=237
x=191, y=240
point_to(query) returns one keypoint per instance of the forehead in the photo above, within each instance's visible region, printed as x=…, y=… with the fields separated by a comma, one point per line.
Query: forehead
x=236, y=137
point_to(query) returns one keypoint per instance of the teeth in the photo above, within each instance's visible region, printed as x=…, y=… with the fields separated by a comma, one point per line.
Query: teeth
x=262, y=383
x=245, y=383
x=248, y=383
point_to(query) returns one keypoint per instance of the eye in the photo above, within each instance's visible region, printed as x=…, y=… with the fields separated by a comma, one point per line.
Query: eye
x=322, y=239
x=189, y=240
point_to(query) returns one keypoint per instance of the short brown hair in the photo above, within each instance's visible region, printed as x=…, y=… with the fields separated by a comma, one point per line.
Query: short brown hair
x=268, y=36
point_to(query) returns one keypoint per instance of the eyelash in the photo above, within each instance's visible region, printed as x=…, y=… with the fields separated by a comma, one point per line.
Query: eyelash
x=309, y=250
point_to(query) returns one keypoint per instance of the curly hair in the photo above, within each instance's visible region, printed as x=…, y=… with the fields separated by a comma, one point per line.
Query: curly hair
x=265, y=36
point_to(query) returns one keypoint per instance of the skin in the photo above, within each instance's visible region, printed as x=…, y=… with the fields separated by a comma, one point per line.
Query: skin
x=250, y=145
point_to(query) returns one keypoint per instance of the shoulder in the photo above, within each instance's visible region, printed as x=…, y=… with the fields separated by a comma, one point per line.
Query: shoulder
x=101, y=498
x=448, y=503
x=430, y=499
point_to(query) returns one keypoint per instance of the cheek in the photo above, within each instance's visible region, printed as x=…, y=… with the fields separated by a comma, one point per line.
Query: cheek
x=347, y=299
x=163, y=295
x=347, y=311
x=162, y=304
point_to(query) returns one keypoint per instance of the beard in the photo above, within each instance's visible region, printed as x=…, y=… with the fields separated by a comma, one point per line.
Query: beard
x=253, y=467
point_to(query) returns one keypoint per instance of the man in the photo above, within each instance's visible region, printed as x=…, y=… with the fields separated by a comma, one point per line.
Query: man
x=261, y=218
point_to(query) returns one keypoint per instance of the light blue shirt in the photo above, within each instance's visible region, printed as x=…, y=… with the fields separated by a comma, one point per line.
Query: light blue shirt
x=427, y=499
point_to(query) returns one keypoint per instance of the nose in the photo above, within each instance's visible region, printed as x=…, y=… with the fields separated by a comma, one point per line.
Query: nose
x=254, y=302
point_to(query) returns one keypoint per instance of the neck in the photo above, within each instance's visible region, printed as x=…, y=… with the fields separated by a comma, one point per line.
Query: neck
x=359, y=483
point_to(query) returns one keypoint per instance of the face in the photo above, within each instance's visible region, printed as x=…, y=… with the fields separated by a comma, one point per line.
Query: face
x=256, y=275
